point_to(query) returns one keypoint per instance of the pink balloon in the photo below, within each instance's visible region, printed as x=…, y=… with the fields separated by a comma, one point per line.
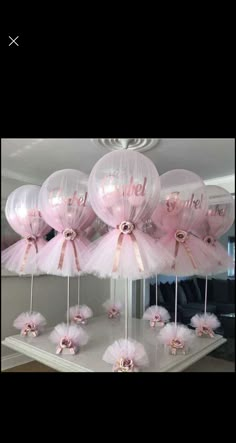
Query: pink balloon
x=183, y=205
x=220, y=214
x=218, y=219
x=183, y=200
x=124, y=188
x=23, y=215
x=123, y=185
x=64, y=200
x=65, y=205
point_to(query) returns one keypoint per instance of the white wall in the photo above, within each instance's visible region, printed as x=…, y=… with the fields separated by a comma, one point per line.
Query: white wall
x=49, y=298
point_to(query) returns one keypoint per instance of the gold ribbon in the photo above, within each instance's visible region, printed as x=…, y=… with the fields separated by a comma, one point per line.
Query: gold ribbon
x=126, y=228
x=69, y=235
x=31, y=240
x=181, y=237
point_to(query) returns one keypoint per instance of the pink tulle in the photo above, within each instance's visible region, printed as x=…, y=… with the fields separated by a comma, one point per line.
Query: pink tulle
x=12, y=258
x=68, y=338
x=222, y=261
x=157, y=316
x=199, y=259
x=113, y=309
x=102, y=252
x=126, y=356
x=176, y=338
x=79, y=314
x=30, y=323
x=205, y=324
x=49, y=257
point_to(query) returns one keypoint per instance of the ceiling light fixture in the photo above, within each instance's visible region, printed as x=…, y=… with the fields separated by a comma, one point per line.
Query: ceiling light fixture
x=135, y=144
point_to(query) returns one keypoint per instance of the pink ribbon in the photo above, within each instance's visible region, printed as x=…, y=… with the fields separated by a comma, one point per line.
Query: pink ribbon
x=175, y=345
x=79, y=319
x=69, y=235
x=205, y=330
x=66, y=342
x=181, y=237
x=30, y=328
x=31, y=240
x=113, y=313
x=156, y=320
x=126, y=228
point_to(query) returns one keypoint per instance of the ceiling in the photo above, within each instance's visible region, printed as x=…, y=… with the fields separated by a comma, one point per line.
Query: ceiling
x=33, y=160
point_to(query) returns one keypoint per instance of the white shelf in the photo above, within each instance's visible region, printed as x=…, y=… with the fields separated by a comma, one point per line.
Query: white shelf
x=104, y=332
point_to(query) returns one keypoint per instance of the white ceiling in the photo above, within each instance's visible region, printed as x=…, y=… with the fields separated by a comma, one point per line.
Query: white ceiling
x=33, y=160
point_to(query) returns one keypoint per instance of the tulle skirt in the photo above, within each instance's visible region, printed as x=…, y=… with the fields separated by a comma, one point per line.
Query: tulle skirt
x=199, y=259
x=15, y=259
x=102, y=253
x=52, y=254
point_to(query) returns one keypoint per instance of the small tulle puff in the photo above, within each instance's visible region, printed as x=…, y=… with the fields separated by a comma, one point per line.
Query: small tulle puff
x=113, y=309
x=17, y=259
x=31, y=324
x=79, y=314
x=176, y=338
x=68, y=338
x=126, y=356
x=205, y=324
x=157, y=316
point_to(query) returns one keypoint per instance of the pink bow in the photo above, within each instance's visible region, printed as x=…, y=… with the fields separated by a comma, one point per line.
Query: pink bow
x=176, y=344
x=156, y=320
x=204, y=330
x=113, y=313
x=30, y=328
x=66, y=342
x=79, y=319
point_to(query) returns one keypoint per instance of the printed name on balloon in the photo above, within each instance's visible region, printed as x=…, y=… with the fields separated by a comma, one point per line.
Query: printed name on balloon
x=56, y=198
x=173, y=201
x=216, y=211
x=128, y=190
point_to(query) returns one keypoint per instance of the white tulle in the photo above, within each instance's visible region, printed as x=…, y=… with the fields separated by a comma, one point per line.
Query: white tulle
x=205, y=320
x=49, y=257
x=81, y=310
x=101, y=256
x=153, y=311
x=109, y=305
x=13, y=257
x=76, y=334
x=176, y=332
x=129, y=349
x=26, y=317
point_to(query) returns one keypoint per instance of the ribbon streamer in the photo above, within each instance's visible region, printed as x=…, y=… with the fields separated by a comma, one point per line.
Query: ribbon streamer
x=181, y=237
x=126, y=228
x=31, y=240
x=69, y=235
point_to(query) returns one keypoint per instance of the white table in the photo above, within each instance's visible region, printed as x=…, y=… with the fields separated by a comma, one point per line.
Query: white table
x=103, y=332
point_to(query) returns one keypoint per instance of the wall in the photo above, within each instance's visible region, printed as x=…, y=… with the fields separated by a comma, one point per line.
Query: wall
x=49, y=298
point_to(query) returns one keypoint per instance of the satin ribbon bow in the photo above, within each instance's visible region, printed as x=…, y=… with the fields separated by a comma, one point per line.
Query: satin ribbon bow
x=113, y=313
x=124, y=365
x=211, y=241
x=205, y=330
x=31, y=240
x=176, y=344
x=126, y=228
x=66, y=342
x=181, y=237
x=69, y=235
x=156, y=320
x=79, y=319
x=30, y=328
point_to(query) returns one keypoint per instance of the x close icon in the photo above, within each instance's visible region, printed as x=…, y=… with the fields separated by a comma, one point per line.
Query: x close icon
x=13, y=40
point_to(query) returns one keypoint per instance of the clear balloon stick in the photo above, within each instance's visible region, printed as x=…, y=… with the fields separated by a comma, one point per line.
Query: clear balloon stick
x=31, y=293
